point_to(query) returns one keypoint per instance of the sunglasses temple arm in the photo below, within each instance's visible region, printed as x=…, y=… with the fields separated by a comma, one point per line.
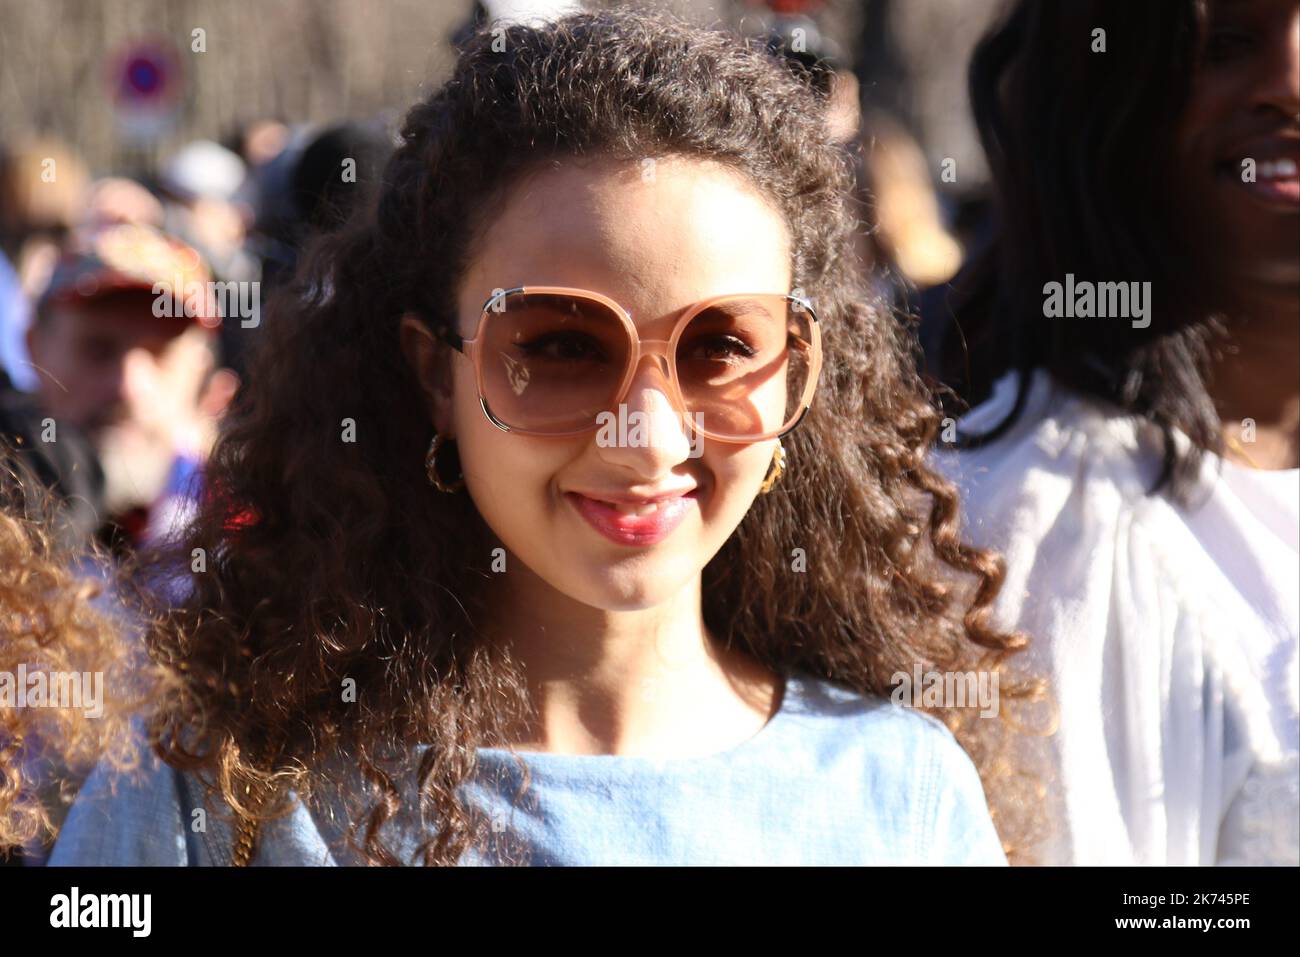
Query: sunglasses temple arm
x=451, y=338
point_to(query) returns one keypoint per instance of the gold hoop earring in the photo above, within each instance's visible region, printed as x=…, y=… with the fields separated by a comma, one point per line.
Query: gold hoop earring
x=431, y=468
x=774, y=473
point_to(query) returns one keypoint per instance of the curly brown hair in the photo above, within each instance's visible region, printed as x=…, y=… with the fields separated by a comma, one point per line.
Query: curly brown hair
x=329, y=561
x=60, y=613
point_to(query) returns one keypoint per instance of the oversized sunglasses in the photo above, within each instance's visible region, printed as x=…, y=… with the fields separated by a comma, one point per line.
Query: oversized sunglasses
x=549, y=360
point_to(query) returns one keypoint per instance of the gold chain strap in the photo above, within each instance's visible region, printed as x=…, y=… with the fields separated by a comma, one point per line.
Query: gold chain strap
x=245, y=841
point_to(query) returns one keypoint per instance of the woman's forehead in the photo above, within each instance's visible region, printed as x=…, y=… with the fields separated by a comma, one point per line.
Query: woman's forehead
x=674, y=229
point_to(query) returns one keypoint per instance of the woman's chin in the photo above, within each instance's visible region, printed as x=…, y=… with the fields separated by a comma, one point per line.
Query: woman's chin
x=630, y=586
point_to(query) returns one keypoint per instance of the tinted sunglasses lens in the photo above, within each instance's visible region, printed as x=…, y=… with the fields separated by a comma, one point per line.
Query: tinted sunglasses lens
x=551, y=363
x=744, y=364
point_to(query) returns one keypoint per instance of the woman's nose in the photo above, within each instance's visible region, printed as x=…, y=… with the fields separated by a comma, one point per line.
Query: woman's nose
x=647, y=426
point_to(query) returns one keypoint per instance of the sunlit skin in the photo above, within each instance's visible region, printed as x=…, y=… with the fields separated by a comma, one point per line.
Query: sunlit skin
x=617, y=655
x=1245, y=104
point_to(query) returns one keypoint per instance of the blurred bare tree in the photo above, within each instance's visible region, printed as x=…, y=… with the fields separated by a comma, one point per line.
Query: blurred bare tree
x=325, y=60
x=300, y=60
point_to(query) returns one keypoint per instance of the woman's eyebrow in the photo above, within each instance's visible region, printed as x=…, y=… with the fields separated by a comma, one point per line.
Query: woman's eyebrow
x=734, y=307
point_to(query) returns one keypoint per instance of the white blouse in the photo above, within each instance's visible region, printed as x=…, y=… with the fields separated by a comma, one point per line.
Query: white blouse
x=1170, y=633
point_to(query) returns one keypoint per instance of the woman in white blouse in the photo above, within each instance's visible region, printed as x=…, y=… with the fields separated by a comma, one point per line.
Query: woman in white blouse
x=1132, y=343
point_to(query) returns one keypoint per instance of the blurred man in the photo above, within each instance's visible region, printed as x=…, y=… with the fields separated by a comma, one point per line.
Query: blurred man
x=124, y=341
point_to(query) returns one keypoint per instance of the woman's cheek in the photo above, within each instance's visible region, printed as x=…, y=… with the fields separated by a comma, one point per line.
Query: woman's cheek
x=736, y=475
x=503, y=478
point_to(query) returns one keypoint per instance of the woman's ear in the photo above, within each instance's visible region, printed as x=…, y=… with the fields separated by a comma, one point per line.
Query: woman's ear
x=431, y=362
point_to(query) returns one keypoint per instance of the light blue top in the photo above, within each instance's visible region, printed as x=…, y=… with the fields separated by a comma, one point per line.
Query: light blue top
x=834, y=778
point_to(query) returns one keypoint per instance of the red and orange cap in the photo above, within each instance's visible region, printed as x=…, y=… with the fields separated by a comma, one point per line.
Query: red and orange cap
x=130, y=256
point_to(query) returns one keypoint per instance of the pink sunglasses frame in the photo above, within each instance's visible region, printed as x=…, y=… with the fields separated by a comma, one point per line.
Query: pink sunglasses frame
x=664, y=349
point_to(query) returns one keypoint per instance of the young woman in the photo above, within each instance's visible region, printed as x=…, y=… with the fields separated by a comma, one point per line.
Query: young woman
x=1139, y=465
x=576, y=511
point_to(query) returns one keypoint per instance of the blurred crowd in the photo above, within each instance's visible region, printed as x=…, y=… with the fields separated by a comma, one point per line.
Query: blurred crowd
x=118, y=347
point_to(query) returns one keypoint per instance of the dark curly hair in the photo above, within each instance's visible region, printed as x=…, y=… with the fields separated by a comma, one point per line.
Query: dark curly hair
x=330, y=560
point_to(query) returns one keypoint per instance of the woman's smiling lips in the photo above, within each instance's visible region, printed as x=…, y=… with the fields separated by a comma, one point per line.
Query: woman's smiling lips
x=1276, y=183
x=637, y=520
